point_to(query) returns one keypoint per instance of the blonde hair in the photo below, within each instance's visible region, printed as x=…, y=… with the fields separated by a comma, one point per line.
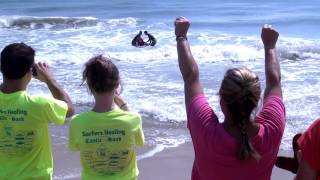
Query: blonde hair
x=240, y=90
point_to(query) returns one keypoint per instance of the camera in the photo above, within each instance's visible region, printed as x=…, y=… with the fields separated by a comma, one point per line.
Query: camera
x=34, y=71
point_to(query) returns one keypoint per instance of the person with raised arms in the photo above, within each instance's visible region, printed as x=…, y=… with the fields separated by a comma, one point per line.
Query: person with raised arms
x=106, y=136
x=25, y=149
x=242, y=147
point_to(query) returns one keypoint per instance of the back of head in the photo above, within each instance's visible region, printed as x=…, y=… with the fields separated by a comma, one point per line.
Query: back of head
x=16, y=60
x=240, y=91
x=145, y=32
x=101, y=75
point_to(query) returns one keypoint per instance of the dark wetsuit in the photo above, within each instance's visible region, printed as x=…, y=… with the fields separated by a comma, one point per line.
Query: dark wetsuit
x=152, y=40
x=137, y=41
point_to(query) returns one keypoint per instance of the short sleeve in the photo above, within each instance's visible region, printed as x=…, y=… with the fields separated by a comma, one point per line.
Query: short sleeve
x=73, y=146
x=309, y=143
x=272, y=118
x=55, y=110
x=199, y=113
x=139, y=135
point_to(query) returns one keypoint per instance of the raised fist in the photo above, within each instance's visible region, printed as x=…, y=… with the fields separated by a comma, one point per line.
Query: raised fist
x=181, y=26
x=269, y=36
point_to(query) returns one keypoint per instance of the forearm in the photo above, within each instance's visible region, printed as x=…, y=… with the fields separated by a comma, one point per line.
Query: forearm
x=187, y=64
x=58, y=93
x=120, y=103
x=272, y=69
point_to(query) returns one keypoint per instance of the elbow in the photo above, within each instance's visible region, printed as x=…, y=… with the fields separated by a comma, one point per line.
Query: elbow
x=70, y=111
x=274, y=78
x=191, y=75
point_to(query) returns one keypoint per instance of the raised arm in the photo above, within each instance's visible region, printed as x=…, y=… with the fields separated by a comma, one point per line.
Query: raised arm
x=44, y=74
x=187, y=64
x=269, y=38
x=120, y=103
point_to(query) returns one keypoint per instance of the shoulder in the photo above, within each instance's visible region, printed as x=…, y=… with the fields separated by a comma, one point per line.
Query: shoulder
x=316, y=124
x=50, y=104
x=312, y=133
x=197, y=103
x=80, y=117
x=273, y=108
x=129, y=114
x=271, y=119
x=199, y=112
x=309, y=143
x=196, y=99
x=129, y=117
x=43, y=99
x=273, y=100
x=79, y=121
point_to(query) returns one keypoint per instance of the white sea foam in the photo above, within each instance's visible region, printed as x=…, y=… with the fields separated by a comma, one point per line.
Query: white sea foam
x=60, y=23
x=153, y=84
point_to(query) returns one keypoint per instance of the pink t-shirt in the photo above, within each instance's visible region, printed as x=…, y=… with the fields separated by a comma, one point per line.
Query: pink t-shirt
x=216, y=150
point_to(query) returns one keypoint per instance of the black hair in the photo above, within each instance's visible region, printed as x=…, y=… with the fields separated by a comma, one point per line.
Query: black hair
x=16, y=60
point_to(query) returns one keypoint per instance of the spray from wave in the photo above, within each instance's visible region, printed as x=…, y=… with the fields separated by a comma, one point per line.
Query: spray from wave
x=56, y=23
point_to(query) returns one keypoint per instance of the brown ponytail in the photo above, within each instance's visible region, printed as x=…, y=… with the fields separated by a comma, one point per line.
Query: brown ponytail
x=240, y=90
x=101, y=74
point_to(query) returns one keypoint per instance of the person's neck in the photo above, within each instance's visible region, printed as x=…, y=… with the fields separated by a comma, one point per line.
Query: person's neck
x=103, y=102
x=11, y=86
x=251, y=128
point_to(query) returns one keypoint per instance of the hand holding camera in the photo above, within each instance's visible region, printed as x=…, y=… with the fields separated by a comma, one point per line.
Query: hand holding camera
x=42, y=72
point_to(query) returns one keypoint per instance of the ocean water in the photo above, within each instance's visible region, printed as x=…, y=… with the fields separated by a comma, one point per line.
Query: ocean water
x=223, y=34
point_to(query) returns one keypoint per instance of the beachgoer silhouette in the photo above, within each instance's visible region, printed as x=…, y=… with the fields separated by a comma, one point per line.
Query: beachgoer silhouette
x=138, y=41
x=152, y=40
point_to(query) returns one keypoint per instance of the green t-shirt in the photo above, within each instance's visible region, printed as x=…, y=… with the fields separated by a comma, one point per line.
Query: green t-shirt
x=107, y=142
x=25, y=148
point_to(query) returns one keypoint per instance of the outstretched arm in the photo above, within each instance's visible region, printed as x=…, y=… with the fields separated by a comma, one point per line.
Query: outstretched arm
x=269, y=38
x=187, y=64
x=44, y=74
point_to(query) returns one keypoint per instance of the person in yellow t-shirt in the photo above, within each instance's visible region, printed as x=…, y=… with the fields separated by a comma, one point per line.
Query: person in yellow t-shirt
x=25, y=149
x=106, y=136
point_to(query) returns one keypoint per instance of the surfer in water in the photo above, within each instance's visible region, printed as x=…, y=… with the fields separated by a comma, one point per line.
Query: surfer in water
x=138, y=41
x=152, y=40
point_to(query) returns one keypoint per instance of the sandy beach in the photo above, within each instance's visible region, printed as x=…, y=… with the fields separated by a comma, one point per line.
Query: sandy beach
x=171, y=163
x=176, y=164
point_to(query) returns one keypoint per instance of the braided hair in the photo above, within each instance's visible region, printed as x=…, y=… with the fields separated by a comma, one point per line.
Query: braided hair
x=240, y=90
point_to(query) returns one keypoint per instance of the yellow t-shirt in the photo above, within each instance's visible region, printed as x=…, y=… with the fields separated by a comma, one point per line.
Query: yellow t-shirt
x=25, y=148
x=107, y=142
